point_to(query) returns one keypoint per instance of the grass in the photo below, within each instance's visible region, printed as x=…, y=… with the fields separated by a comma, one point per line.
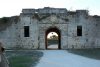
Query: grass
x=23, y=58
x=90, y=53
x=27, y=58
x=50, y=42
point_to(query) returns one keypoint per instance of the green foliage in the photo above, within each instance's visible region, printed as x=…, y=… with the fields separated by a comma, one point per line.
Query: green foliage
x=36, y=16
x=96, y=16
x=23, y=58
x=71, y=13
x=50, y=41
x=4, y=19
x=15, y=19
x=22, y=61
x=90, y=53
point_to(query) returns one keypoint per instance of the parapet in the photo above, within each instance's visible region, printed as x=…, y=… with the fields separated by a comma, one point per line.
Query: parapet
x=45, y=10
x=84, y=12
x=49, y=10
x=78, y=12
x=52, y=10
x=28, y=11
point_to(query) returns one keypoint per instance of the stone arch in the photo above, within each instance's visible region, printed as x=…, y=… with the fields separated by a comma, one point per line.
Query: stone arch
x=53, y=29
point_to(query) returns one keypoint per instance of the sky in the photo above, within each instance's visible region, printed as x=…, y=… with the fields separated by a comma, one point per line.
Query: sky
x=14, y=7
x=51, y=34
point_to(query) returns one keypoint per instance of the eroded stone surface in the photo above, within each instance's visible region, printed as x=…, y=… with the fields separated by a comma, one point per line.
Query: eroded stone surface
x=40, y=20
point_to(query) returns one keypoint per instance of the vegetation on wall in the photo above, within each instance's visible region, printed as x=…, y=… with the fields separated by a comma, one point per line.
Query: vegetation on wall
x=40, y=17
x=72, y=13
x=7, y=21
x=96, y=16
x=15, y=19
x=4, y=20
x=4, y=23
x=44, y=16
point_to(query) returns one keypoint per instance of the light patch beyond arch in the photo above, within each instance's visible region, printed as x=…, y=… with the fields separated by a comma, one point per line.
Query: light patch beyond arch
x=50, y=32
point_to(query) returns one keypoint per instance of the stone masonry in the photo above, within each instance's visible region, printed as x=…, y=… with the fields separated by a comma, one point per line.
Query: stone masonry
x=42, y=19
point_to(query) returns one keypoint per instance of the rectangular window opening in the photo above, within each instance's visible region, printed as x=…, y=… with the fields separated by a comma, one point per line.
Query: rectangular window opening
x=26, y=31
x=79, y=30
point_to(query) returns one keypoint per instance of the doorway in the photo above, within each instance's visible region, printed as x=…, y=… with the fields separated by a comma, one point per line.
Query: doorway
x=53, y=39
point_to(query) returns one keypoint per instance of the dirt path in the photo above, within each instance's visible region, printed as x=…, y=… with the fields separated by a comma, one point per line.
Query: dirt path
x=62, y=58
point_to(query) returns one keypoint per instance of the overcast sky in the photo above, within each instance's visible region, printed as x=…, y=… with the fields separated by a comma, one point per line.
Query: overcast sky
x=14, y=7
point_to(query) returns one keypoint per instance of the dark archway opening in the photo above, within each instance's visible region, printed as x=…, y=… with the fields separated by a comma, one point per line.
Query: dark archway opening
x=53, y=39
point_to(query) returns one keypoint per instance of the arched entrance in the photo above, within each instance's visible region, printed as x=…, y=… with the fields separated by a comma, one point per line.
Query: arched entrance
x=53, y=38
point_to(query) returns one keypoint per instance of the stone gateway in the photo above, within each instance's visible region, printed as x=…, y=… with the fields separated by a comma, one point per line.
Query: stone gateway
x=75, y=29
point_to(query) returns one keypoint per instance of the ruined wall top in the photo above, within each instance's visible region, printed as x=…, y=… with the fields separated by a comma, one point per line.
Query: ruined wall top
x=45, y=10
x=50, y=10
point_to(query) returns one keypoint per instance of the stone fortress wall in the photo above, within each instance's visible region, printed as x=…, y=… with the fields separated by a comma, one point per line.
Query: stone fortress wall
x=40, y=20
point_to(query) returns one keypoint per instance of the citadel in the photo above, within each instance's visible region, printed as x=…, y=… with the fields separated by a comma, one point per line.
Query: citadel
x=75, y=29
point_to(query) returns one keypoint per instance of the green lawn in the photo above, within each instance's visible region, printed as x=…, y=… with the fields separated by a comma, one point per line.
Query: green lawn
x=28, y=58
x=90, y=53
x=50, y=42
x=23, y=58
